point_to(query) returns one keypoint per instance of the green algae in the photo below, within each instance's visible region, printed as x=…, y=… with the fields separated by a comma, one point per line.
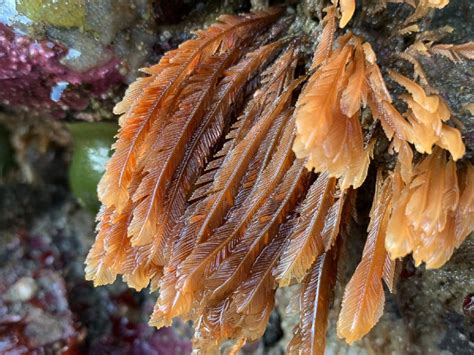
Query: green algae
x=59, y=13
x=92, y=143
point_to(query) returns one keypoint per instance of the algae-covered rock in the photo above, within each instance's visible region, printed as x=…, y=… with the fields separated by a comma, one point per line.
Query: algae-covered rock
x=33, y=79
x=92, y=143
x=61, y=13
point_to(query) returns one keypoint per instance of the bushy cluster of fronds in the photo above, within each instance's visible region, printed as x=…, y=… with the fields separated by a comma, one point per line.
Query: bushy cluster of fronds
x=218, y=224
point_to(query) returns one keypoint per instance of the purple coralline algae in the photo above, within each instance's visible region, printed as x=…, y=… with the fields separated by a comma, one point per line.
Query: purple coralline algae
x=33, y=77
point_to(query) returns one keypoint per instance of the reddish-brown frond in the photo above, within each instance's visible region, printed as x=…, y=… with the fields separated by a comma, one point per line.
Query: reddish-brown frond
x=364, y=298
x=305, y=242
x=389, y=272
x=96, y=268
x=260, y=232
x=199, y=145
x=147, y=103
x=171, y=302
x=426, y=116
x=205, y=256
x=204, y=215
x=221, y=322
x=324, y=48
x=253, y=295
x=242, y=316
x=309, y=335
x=355, y=94
x=164, y=156
x=347, y=11
x=273, y=81
x=455, y=52
x=330, y=140
x=465, y=212
x=216, y=324
x=430, y=225
x=209, y=213
x=333, y=219
x=108, y=255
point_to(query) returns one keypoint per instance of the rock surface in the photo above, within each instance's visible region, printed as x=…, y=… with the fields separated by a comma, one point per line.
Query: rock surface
x=74, y=63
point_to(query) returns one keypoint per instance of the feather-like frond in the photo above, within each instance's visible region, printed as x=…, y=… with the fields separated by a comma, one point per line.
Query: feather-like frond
x=427, y=224
x=253, y=295
x=380, y=102
x=426, y=116
x=347, y=11
x=244, y=314
x=109, y=252
x=318, y=99
x=309, y=335
x=400, y=239
x=363, y=301
x=199, y=146
x=326, y=136
x=146, y=105
x=167, y=152
x=96, y=267
x=219, y=323
x=355, y=94
x=455, y=52
x=209, y=213
x=208, y=197
x=333, y=220
x=197, y=228
x=261, y=230
x=306, y=242
x=204, y=258
x=324, y=48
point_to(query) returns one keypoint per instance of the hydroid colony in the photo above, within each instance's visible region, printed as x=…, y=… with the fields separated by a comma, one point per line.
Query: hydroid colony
x=216, y=225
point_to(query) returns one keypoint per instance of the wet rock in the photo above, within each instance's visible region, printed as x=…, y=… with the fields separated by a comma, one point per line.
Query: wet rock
x=23, y=290
x=42, y=329
x=84, y=53
x=274, y=332
x=69, y=58
x=35, y=311
x=432, y=304
x=46, y=244
x=468, y=305
x=37, y=147
x=6, y=151
x=31, y=70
